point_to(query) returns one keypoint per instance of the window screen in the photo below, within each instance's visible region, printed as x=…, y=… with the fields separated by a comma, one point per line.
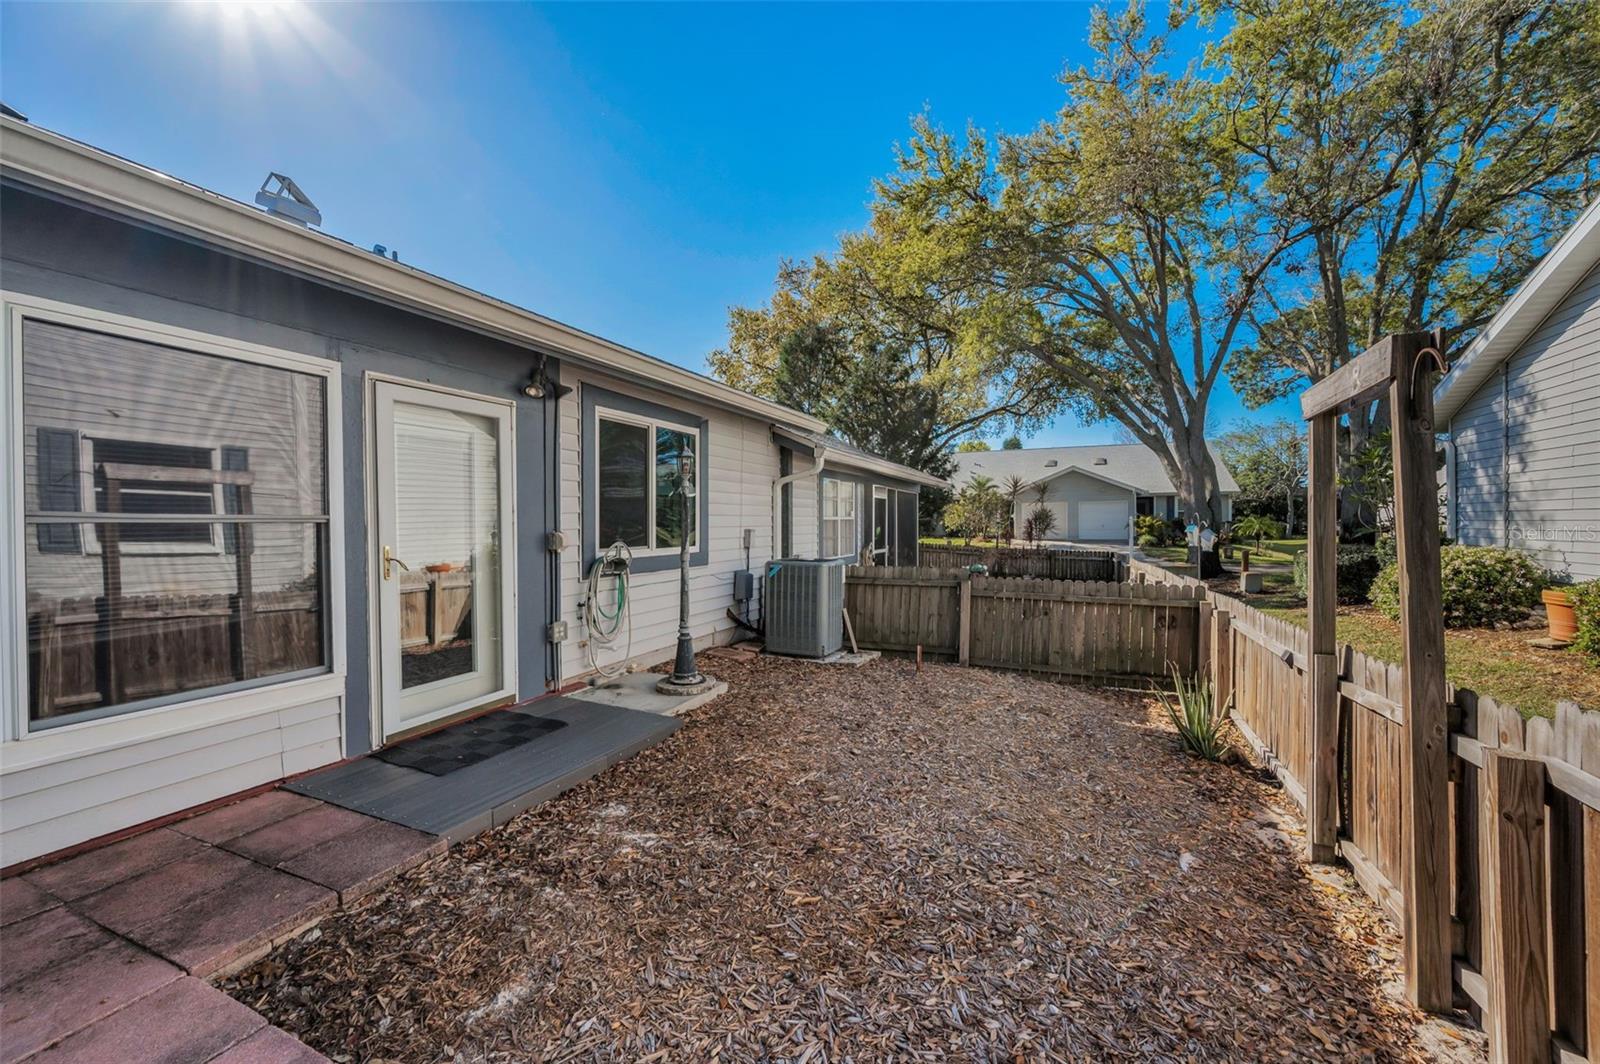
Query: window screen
x=675, y=487
x=645, y=472
x=624, y=510
x=176, y=504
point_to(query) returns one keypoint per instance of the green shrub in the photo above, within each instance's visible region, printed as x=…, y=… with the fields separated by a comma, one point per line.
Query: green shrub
x=1357, y=565
x=1202, y=724
x=1159, y=529
x=1586, y=604
x=1481, y=586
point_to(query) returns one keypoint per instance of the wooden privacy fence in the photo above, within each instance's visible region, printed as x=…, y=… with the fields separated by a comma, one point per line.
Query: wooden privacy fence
x=1050, y=563
x=1523, y=873
x=1079, y=628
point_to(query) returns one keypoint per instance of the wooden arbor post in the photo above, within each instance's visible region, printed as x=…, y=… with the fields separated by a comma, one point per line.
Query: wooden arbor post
x=1401, y=367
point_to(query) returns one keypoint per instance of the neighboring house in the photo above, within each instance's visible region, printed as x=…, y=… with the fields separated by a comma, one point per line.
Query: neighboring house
x=275, y=500
x=1521, y=408
x=1094, y=491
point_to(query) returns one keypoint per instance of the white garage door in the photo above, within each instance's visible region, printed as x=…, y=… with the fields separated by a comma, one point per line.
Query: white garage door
x=1103, y=520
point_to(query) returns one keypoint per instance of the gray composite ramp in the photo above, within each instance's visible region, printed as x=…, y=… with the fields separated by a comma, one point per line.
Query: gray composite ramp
x=488, y=794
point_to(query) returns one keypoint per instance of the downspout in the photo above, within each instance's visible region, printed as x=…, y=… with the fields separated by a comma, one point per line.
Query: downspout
x=1450, y=482
x=1505, y=454
x=820, y=456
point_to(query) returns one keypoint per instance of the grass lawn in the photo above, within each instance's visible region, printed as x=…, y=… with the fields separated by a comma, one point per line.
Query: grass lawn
x=1491, y=661
x=1277, y=551
x=1272, y=552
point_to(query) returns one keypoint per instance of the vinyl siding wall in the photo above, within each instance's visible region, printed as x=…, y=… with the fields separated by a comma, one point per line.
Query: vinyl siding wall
x=1527, y=444
x=742, y=464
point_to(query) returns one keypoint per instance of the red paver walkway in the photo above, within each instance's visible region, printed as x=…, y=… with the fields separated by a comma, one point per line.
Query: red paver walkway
x=103, y=956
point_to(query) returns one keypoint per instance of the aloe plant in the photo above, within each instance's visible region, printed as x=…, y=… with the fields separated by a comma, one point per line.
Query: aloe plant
x=1202, y=724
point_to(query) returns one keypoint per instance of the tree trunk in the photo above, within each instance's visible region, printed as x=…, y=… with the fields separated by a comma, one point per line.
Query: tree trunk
x=1194, y=474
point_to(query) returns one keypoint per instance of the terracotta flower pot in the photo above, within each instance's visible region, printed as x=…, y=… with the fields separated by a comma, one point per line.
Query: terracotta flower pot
x=1558, y=610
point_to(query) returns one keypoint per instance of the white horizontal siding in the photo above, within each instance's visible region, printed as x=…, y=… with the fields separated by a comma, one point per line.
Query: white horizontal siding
x=804, y=509
x=1527, y=462
x=64, y=802
x=742, y=463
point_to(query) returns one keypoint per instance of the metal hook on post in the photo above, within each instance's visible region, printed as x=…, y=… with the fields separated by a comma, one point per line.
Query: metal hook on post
x=1433, y=353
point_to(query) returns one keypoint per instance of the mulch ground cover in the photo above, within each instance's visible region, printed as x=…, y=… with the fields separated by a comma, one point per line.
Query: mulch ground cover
x=833, y=864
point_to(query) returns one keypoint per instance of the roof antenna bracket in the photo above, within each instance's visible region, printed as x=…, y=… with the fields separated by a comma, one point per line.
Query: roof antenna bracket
x=283, y=198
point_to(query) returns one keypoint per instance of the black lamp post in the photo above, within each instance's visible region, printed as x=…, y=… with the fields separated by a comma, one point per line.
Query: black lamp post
x=686, y=678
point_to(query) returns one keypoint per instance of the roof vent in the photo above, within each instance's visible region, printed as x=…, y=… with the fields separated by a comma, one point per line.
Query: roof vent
x=1099, y=461
x=285, y=200
x=1051, y=464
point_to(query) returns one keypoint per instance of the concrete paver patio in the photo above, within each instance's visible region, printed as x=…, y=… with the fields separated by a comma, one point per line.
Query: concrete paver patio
x=105, y=955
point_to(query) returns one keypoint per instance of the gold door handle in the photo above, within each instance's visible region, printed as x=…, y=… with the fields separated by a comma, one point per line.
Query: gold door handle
x=390, y=560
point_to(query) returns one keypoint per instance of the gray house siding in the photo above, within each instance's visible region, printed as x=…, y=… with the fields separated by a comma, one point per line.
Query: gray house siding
x=1527, y=444
x=63, y=251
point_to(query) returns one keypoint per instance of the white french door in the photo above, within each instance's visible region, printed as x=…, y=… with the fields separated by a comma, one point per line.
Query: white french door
x=442, y=553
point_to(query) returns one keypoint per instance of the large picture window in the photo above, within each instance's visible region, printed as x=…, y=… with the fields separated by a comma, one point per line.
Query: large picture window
x=646, y=470
x=176, y=505
x=838, y=518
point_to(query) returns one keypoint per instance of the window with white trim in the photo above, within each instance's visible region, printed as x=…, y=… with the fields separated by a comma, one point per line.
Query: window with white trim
x=838, y=518
x=177, y=519
x=647, y=476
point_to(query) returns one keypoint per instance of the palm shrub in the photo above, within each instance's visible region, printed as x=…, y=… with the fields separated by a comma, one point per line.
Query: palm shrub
x=1257, y=527
x=1480, y=586
x=1202, y=724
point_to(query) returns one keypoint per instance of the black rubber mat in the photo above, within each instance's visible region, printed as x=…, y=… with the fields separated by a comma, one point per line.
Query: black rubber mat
x=460, y=745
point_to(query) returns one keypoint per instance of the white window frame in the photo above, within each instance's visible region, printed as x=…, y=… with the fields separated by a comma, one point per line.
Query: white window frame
x=86, y=502
x=25, y=749
x=650, y=424
x=853, y=495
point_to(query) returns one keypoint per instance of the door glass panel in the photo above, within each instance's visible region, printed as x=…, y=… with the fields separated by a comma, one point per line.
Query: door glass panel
x=447, y=531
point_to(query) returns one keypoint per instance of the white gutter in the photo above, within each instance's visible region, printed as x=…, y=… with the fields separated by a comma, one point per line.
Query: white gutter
x=64, y=165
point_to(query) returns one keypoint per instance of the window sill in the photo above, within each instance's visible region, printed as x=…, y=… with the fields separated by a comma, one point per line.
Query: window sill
x=73, y=741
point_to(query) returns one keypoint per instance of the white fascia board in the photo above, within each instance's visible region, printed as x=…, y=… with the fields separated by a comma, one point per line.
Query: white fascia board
x=67, y=166
x=1567, y=263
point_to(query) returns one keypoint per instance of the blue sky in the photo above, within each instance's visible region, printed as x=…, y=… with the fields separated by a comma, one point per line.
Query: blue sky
x=630, y=169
